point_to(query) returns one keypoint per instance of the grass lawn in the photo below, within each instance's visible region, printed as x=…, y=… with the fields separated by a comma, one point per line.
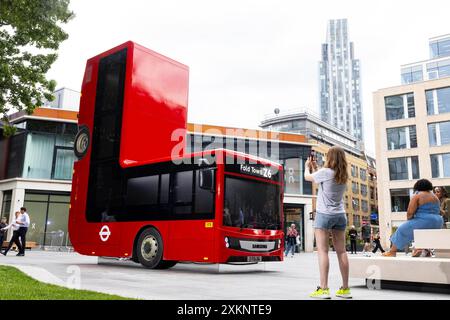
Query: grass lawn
x=15, y=285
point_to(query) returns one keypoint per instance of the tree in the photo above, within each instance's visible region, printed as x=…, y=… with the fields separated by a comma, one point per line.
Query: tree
x=30, y=35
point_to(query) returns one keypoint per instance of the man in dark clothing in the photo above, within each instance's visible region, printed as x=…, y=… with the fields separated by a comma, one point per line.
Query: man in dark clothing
x=2, y=233
x=376, y=240
x=366, y=233
x=353, y=234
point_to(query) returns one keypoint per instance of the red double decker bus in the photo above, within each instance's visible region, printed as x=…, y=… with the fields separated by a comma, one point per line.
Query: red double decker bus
x=132, y=197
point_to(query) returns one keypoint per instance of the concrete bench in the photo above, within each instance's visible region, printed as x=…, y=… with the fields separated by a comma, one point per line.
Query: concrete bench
x=437, y=239
x=403, y=272
x=29, y=245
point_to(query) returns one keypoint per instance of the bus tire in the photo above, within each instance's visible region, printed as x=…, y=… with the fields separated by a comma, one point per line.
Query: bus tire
x=149, y=249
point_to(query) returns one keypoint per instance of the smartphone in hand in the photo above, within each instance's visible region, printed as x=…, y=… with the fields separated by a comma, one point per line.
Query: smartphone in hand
x=312, y=155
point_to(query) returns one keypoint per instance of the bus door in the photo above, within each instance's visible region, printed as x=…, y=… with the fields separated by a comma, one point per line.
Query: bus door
x=191, y=232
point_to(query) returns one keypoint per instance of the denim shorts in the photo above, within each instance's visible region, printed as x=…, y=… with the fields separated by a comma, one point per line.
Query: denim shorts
x=330, y=221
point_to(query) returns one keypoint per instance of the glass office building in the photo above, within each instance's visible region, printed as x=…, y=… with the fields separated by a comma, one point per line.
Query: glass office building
x=438, y=65
x=36, y=166
x=340, y=81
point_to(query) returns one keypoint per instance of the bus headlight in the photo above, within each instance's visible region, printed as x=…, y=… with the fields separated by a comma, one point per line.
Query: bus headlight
x=227, y=244
x=279, y=244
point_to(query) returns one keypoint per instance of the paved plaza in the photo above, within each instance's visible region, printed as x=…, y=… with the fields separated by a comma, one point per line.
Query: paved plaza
x=292, y=279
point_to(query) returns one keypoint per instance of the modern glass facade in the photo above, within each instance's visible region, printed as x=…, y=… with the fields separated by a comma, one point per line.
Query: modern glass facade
x=340, y=81
x=440, y=48
x=437, y=67
x=41, y=150
x=49, y=214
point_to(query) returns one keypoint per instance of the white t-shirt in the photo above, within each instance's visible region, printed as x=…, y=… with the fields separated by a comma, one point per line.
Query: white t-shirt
x=330, y=198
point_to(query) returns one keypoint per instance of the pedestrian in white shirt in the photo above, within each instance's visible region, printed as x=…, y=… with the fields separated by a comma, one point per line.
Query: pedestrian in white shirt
x=24, y=222
x=15, y=238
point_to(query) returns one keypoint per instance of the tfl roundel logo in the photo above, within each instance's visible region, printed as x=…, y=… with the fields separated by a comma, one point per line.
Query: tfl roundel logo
x=104, y=233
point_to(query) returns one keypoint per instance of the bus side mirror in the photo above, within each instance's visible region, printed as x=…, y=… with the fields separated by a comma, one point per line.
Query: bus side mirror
x=206, y=179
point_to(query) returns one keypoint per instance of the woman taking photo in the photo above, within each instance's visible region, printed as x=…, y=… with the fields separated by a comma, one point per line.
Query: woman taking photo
x=330, y=217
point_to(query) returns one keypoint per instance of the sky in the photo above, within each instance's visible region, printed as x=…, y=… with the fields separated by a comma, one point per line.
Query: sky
x=247, y=58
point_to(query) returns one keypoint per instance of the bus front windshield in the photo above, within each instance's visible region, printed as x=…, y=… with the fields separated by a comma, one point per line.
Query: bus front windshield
x=251, y=204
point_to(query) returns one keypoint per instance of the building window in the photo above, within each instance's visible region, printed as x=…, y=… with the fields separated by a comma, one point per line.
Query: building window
x=401, y=138
x=400, y=106
x=404, y=168
x=364, y=206
x=400, y=199
x=354, y=171
x=439, y=133
x=440, y=165
x=438, y=101
x=440, y=48
x=293, y=176
x=355, y=204
x=438, y=69
x=6, y=205
x=363, y=190
x=372, y=193
x=363, y=174
x=355, y=187
x=356, y=220
x=49, y=216
x=412, y=74
x=49, y=156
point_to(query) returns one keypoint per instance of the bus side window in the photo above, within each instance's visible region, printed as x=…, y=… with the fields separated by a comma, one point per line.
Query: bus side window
x=143, y=191
x=164, y=189
x=204, y=197
x=182, y=192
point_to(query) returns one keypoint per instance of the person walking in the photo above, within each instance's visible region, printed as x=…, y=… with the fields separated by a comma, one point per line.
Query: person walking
x=15, y=237
x=353, y=235
x=24, y=222
x=330, y=217
x=444, y=199
x=423, y=213
x=291, y=240
x=366, y=234
x=377, y=242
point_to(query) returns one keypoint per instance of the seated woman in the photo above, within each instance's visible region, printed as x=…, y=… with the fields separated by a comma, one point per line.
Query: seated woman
x=423, y=213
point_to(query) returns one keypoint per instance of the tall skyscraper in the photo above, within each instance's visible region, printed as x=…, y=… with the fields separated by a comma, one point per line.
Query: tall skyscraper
x=340, y=82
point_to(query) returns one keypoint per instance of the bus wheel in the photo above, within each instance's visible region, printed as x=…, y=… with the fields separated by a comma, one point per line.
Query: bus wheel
x=149, y=249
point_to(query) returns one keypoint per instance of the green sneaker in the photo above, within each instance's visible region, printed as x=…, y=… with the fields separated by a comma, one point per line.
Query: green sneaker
x=344, y=293
x=321, y=294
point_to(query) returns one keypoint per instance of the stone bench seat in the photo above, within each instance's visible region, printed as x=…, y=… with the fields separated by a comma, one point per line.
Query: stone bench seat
x=437, y=239
x=403, y=271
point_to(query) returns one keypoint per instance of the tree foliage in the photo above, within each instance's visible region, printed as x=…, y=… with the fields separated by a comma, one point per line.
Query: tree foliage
x=30, y=35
